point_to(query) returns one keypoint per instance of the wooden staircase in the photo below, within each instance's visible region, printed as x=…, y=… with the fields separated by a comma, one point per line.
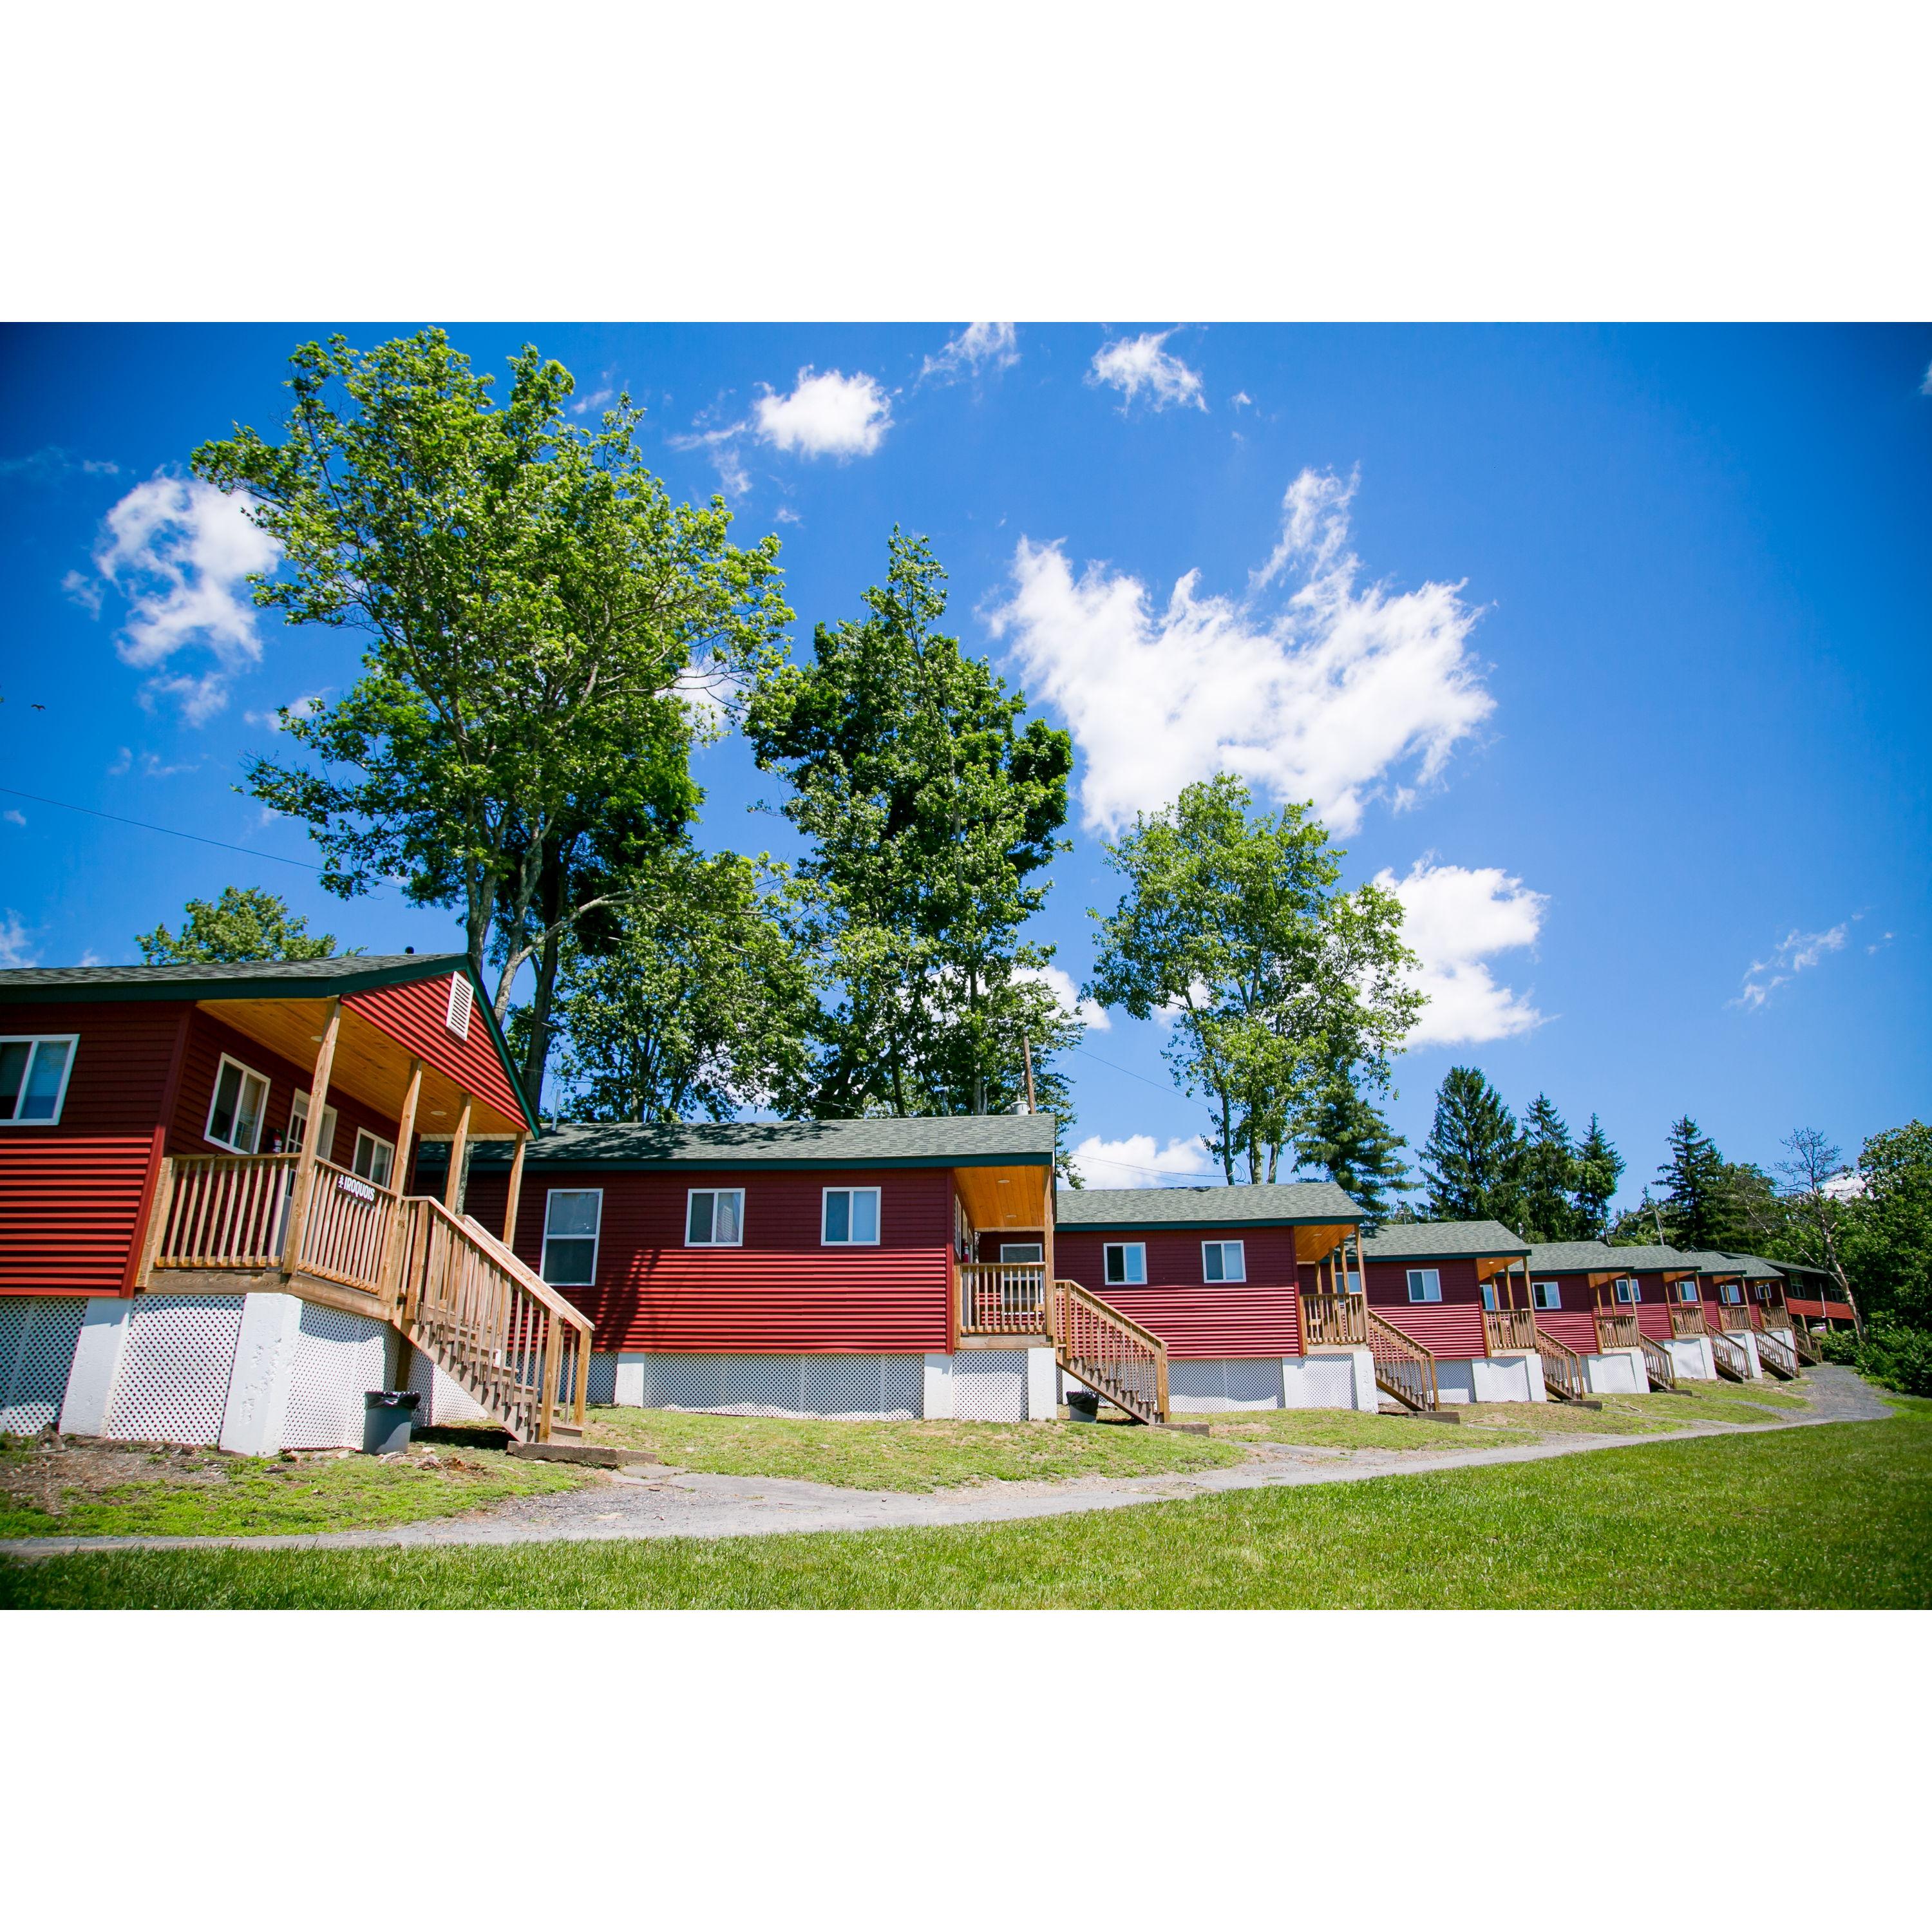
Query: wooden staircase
x=1661, y=1370
x=1728, y=1357
x=1805, y=1346
x=1405, y=1370
x=1775, y=1357
x=1113, y=1356
x=1564, y=1376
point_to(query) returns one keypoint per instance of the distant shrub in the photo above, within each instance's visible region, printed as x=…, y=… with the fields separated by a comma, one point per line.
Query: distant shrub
x=1841, y=1345
x=1896, y=1357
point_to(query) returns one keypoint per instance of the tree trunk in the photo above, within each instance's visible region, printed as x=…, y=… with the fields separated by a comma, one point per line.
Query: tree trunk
x=536, y=1053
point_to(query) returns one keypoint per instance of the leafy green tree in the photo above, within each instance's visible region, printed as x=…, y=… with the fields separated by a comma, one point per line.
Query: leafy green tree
x=1346, y=1137
x=1815, y=1227
x=1599, y=1167
x=700, y=1006
x=1547, y=1175
x=1470, y=1158
x=245, y=923
x=1697, y=1203
x=1276, y=981
x=1889, y=1229
x=931, y=814
x=535, y=607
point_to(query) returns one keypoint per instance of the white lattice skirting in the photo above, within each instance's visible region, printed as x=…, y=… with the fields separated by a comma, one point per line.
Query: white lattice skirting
x=1211, y=1387
x=175, y=1367
x=37, y=1333
x=338, y=1357
x=861, y=1387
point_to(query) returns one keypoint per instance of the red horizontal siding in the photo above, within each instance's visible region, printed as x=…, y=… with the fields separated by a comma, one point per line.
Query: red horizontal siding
x=782, y=1293
x=415, y=1016
x=1575, y=1328
x=1452, y=1328
x=1173, y=1260
x=1216, y=1324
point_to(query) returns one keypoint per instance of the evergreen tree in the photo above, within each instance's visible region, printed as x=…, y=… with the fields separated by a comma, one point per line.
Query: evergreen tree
x=246, y=923
x=1547, y=1167
x=1346, y=1138
x=1470, y=1158
x=1599, y=1167
x=1696, y=1202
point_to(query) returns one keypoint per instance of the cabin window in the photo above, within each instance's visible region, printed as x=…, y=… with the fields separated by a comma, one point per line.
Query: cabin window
x=234, y=1115
x=1687, y=1291
x=714, y=1217
x=962, y=1230
x=851, y=1217
x=1022, y=1251
x=1224, y=1261
x=1425, y=1284
x=1352, y=1281
x=1732, y=1293
x=1548, y=1293
x=1627, y=1290
x=572, y=1219
x=1489, y=1296
x=1125, y=1264
x=461, y=1000
x=375, y=1158
x=325, y=1139
x=33, y=1079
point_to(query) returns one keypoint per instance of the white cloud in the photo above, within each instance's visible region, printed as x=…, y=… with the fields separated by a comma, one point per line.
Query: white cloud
x=1139, y=1161
x=1796, y=953
x=1142, y=363
x=831, y=415
x=14, y=947
x=304, y=706
x=180, y=551
x=1319, y=696
x=1241, y=400
x=52, y=465
x=91, y=957
x=1925, y=387
x=1455, y=918
x=1089, y=1012
x=783, y=515
x=597, y=400
x=14, y=817
x=980, y=345
x=721, y=446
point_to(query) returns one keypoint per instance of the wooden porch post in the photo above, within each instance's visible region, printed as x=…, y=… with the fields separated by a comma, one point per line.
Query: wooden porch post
x=304, y=1181
x=516, y=1192
x=452, y=1188
x=392, y=1285
x=1046, y=1255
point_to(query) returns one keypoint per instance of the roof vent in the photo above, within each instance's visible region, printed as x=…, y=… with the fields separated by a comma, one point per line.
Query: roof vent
x=460, y=1001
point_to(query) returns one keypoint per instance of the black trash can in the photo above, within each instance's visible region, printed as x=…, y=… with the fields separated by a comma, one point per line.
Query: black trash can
x=1082, y=1406
x=387, y=1415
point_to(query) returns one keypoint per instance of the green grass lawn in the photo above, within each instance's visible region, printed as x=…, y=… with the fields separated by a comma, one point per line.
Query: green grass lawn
x=203, y=1493
x=913, y=1456
x=1833, y=1517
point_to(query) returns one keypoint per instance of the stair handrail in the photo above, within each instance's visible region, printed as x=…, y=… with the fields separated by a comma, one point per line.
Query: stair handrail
x=1805, y=1345
x=1403, y=1366
x=489, y=1320
x=1562, y=1365
x=1657, y=1362
x=1728, y=1356
x=1771, y=1348
x=1139, y=1352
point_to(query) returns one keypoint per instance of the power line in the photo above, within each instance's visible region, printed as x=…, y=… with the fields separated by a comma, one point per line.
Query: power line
x=1159, y=1086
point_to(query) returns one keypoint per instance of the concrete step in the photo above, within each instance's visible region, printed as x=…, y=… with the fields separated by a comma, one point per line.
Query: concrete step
x=595, y=1455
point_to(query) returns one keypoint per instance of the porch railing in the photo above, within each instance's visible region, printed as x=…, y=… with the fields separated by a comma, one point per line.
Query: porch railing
x=1687, y=1319
x=1002, y=1297
x=1733, y=1317
x=1616, y=1331
x=222, y=1211
x=1508, y=1328
x=346, y=1232
x=1770, y=1315
x=1332, y=1320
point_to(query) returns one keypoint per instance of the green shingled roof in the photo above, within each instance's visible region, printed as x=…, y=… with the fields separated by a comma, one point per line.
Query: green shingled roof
x=1581, y=1258
x=1440, y=1241
x=1712, y=1261
x=1279, y=1205
x=252, y=979
x=958, y=1140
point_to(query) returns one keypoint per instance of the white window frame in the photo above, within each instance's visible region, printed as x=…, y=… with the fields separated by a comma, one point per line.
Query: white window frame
x=247, y=1072
x=1629, y=1289
x=34, y=1042
x=299, y=1110
x=1490, y=1303
x=1553, y=1289
x=1732, y=1293
x=462, y=1006
x=851, y=1240
x=691, y=1194
x=1036, y=1251
x=1241, y=1248
x=1428, y=1281
x=1123, y=1248
x=596, y=1240
x=1687, y=1291
x=388, y=1181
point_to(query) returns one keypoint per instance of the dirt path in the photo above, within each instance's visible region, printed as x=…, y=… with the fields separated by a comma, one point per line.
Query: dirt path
x=681, y=1503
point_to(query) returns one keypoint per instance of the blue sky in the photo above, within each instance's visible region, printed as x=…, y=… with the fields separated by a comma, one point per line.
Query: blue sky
x=1608, y=645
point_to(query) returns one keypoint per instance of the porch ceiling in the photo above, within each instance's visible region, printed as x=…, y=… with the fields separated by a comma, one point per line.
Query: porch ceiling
x=369, y=1065
x=1003, y=1197
x=1316, y=1242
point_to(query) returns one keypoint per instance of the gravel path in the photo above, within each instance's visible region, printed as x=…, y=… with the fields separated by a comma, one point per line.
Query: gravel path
x=671, y=1502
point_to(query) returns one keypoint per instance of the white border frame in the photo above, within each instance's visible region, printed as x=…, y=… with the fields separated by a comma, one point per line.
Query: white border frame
x=355, y=1147
x=1536, y=1301
x=1635, y=1297
x=825, y=1194
x=73, y=1040
x=1105, y=1283
x=1235, y=1280
x=1036, y=1260
x=1425, y=1299
x=213, y=1099
x=689, y=1192
x=596, y=1240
